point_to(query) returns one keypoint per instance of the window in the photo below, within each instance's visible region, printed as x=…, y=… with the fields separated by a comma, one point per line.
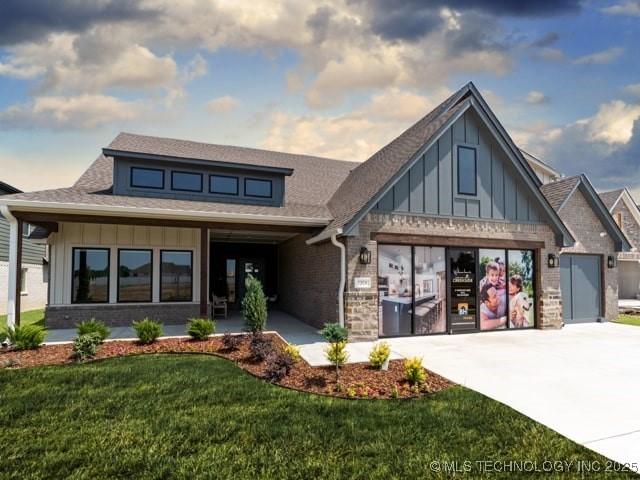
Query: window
x=147, y=177
x=257, y=188
x=176, y=276
x=189, y=182
x=619, y=219
x=90, y=281
x=134, y=275
x=23, y=281
x=467, y=171
x=223, y=184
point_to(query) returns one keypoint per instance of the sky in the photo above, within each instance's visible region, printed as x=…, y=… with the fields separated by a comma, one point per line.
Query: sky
x=334, y=78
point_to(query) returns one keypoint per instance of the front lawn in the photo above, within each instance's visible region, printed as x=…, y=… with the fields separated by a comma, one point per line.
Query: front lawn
x=31, y=316
x=628, y=319
x=185, y=416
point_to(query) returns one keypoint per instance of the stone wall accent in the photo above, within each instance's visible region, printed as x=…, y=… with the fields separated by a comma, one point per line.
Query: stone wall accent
x=308, y=280
x=36, y=294
x=586, y=228
x=119, y=315
x=362, y=308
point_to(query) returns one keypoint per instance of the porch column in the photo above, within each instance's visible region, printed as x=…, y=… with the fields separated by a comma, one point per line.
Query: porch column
x=204, y=270
x=15, y=268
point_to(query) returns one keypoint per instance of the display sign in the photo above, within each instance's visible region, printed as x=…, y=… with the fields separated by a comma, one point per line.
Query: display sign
x=463, y=286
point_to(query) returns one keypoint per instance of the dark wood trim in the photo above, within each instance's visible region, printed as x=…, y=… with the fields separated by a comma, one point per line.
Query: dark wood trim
x=18, y=296
x=37, y=217
x=204, y=264
x=441, y=241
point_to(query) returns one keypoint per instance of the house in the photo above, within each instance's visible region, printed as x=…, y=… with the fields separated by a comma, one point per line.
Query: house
x=444, y=230
x=625, y=211
x=33, y=284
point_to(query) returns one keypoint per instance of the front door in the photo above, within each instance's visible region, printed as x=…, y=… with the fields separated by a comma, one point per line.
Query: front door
x=249, y=266
x=580, y=285
x=463, y=301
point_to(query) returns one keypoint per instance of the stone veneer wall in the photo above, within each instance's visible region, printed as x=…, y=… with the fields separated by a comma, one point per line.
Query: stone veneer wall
x=119, y=315
x=361, y=307
x=308, y=280
x=586, y=227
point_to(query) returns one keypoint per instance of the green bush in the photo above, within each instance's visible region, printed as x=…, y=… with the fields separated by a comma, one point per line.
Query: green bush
x=334, y=333
x=254, y=306
x=337, y=354
x=93, y=326
x=293, y=351
x=3, y=336
x=26, y=337
x=379, y=354
x=413, y=371
x=86, y=345
x=147, y=330
x=201, y=328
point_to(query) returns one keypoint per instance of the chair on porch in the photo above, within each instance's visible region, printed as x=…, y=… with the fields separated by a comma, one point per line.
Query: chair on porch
x=218, y=307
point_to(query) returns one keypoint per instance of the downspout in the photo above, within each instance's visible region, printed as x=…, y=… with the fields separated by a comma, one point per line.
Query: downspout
x=343, y=274
x=13, y=262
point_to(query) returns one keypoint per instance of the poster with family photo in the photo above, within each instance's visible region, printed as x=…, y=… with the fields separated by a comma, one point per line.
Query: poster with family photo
x=521, y=297
x=492, y=289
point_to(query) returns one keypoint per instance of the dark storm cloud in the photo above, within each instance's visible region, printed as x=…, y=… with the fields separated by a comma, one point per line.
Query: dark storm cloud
x=413, y=19
x=23, y=20
x=319, y=21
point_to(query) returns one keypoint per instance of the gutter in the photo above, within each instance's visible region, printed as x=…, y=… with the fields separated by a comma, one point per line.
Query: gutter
x=13, y=261
x=343, y=275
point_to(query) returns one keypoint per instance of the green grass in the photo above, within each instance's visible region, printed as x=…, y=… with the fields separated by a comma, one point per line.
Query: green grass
x=629, y=319
x=197, y=416
x=32, y=316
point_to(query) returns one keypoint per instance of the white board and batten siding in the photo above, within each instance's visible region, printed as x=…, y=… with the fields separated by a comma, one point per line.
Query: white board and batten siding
x=114, y=237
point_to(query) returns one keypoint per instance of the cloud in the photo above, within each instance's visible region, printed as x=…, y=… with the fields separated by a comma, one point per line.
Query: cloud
x=631, y=8
x=224, y=104
x=600, y=58
x=546, y=40
x=29, y=20
x=197, y=67
x=613, y=123
x=633, y=89
x=60, y=113
x=535, y=97
x=550, y=54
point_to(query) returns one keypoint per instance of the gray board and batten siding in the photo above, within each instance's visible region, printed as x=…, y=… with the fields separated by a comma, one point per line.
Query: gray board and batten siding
x=431, y=185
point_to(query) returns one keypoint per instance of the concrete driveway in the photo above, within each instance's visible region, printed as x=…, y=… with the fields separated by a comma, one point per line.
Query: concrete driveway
x=582, y=381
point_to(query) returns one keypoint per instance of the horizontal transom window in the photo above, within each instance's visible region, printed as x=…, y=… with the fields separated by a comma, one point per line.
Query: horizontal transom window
x=223, y=184
x=186, y=181
x=147, y=177
x=254, y=187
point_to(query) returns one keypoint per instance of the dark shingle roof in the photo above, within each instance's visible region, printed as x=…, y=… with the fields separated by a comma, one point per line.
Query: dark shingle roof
x=558, y=192
x=611, y=197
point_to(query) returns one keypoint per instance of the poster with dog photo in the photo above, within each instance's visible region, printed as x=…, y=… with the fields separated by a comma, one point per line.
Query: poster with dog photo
x=520, y=287
x=492, y=289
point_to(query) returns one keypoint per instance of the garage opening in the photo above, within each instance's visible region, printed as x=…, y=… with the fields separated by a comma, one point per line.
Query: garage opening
x=580, y=281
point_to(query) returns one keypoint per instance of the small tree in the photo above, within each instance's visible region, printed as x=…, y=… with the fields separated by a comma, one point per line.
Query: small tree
x=336, y=353
x=254, y=306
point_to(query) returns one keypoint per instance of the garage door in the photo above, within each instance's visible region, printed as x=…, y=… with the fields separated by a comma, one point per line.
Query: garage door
x=580, y=284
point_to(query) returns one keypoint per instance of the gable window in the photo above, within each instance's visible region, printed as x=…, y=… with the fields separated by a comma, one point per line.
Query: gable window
x=176, y=276
x=467, y=174
x=147, y=177
x=619, y=219
x=134, y=275
x=254, y=187
x=90, y=279
x=185, y=181
x=223, y=184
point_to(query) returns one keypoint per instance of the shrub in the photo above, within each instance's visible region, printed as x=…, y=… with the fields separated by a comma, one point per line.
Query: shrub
x=334, y=333
x=86, y=345
x=93, y=326
x=413, y=370
x=261, y=347
x=26, y=337
x=254, y=306
x=278, y=366
x=337, y=354
x=231, y=342
x=379, y=354
x=201, y=328
x=3, y=336
x=147, y=330
x=293, y=351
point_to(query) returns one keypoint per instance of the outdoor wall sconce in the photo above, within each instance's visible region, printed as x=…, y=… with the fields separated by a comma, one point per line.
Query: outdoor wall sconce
x=553, y=261
x=365, y=256
x=612, y=261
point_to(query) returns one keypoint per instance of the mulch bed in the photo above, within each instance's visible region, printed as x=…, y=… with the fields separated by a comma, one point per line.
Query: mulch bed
x=357, y=380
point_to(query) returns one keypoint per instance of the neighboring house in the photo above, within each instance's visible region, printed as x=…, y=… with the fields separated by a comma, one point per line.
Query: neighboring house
x=546, y=173
x=627, y=215
x=33, y=284
x=443, y=230
x=588, y=271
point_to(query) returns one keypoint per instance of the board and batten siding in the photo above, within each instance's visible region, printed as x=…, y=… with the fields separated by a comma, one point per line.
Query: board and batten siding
x=114, y=237
x=32, y=253
x=430, y=186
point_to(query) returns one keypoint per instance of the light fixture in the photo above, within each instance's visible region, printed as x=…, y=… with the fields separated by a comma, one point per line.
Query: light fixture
x=365, y=256
x=612, y=262
x=552, y=260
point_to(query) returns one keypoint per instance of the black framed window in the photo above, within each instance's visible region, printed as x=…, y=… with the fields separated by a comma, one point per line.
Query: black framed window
x=467, y=173
x=90, y=275
x=223, y=184
x=135, y=273
x=147, y=177
x=254, y=187
x=176, y=276
x=186, y=181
